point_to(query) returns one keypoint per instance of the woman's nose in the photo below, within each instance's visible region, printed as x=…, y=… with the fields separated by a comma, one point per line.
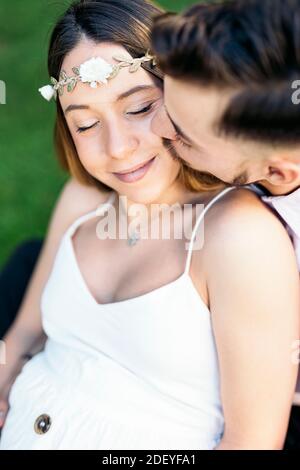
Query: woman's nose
x=121, y=143
x=162, y=126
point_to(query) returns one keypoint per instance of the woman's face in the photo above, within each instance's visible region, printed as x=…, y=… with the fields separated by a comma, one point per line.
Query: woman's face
x=112, y=130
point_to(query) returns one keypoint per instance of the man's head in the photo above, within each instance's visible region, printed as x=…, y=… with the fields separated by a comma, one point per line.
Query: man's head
x=229, y=70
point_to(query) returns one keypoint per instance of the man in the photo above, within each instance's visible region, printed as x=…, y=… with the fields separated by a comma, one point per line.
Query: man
x=232, y=72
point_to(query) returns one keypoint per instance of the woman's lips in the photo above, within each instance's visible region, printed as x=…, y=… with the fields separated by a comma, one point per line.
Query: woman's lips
x=136, y=175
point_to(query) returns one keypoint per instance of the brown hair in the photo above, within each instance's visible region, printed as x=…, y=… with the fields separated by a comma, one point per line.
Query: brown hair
x=251, y=46
x=122, y=22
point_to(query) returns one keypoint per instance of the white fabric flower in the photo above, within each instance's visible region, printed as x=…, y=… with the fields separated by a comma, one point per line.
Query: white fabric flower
x=47, y=92
x=95, y=70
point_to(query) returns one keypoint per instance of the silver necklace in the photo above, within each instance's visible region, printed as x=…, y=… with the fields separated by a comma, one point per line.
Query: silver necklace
x=134, y=238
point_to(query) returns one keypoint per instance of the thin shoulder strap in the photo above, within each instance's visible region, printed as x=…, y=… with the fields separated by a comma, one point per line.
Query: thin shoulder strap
x=95, y=213
x=198, y=222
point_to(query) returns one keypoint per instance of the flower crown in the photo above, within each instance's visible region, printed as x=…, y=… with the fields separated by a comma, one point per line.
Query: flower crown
x=94, y=71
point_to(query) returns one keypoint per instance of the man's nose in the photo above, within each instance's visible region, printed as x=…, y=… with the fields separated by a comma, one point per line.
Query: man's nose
x=162, y=126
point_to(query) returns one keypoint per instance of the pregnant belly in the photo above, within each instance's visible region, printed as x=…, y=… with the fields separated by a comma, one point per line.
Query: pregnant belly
x=57, y=405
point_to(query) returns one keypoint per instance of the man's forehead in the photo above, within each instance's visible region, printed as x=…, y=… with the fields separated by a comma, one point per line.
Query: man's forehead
x=194, y=107
x=212, y=99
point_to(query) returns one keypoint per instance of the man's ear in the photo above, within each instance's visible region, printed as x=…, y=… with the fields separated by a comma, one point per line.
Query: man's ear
x=282, y=172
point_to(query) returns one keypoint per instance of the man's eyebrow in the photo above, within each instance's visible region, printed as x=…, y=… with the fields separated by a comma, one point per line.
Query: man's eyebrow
x=126, y=94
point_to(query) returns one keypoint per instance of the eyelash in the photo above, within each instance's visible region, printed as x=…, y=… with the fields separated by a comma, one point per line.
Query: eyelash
x=83, y=129
x=181, y=142
x=142, y=111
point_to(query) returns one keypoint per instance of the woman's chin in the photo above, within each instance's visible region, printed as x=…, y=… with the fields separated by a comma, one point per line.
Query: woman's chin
x=144, y=195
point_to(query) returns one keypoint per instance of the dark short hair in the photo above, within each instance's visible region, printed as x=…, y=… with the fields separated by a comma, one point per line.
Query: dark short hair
x=252, y=46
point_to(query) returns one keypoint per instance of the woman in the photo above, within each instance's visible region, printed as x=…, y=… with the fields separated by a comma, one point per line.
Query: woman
x=148, y=344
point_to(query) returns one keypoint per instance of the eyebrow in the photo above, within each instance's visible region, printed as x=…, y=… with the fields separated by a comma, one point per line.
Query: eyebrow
x=126, y=94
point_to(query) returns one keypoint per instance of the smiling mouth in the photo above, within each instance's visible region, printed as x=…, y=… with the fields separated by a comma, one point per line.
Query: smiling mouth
x=136, y=173
x=133, y=169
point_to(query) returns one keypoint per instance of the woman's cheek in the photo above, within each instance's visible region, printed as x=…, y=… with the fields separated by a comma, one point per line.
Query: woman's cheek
x=91, y=156
x=146, y=133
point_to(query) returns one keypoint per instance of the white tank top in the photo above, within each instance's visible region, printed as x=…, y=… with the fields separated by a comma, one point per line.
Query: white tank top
x=140, y=373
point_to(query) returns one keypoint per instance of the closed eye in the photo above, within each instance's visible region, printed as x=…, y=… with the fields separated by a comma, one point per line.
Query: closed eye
x=142, y=111
x=83, y=129
x=182, y=142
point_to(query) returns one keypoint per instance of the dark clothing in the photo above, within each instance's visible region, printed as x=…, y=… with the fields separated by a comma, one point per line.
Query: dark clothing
x=14, y=278
x=292, y=441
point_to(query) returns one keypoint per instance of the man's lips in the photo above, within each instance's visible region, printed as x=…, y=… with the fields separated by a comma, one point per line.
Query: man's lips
x=135, y=173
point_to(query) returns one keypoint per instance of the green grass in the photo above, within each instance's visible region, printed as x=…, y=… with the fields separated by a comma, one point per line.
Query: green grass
x=30, y=177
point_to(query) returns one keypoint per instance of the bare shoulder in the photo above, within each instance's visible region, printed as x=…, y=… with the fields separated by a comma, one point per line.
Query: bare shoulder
x=75, y=200
x=82, y=198
x=240, y=230
x=240, y=216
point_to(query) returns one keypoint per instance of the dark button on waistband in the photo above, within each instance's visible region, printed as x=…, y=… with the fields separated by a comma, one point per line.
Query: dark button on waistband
x=42, y=424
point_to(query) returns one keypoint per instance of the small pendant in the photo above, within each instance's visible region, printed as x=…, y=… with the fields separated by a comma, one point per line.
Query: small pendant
x=133, y=239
